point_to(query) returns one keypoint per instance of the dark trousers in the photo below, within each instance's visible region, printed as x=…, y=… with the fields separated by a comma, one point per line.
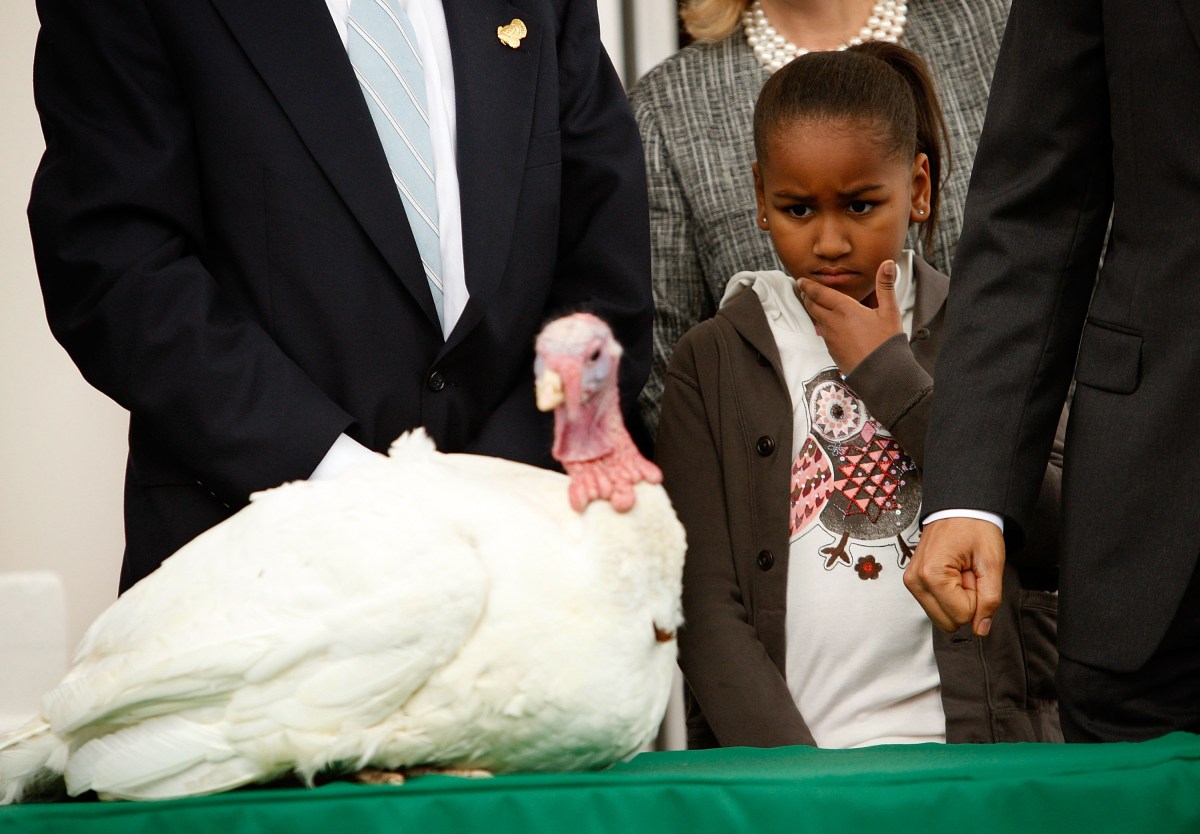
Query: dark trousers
x=1161, y=697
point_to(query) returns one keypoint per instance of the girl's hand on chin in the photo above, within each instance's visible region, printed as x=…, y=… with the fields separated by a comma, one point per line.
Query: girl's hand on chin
x=851, y=329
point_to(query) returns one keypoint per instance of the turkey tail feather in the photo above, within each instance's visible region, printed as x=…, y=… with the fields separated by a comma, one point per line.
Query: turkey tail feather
x=32, y=760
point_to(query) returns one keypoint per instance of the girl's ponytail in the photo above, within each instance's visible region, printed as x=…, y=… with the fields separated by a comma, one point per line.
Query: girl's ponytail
x=932, y=136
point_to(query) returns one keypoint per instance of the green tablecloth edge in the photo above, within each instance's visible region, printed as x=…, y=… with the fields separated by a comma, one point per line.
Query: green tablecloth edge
x=1151, y=786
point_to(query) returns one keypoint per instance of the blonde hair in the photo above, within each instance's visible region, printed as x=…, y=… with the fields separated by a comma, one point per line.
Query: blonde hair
x=711, y=20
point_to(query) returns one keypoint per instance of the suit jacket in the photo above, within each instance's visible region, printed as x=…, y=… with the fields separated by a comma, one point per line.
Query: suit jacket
x=223, y=251
x=1091, y=114
x=696, y=114
x=725, y=396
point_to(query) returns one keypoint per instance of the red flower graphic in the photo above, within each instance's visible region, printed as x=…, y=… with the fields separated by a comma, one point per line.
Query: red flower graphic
x=868, y=568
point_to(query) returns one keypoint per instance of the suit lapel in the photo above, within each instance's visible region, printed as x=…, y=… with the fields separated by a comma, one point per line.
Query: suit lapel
x=296, y=49
x=494, y=88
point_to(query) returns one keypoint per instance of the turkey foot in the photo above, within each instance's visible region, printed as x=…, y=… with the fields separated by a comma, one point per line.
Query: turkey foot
x=372, y=776
x=837, y=553
x=462, y=772
x=906, y=552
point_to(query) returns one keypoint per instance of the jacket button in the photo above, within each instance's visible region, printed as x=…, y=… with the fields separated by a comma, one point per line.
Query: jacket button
x=765, y=445
x=922, y=333
x=436, y=381
x=764, y=361
x=766, y=559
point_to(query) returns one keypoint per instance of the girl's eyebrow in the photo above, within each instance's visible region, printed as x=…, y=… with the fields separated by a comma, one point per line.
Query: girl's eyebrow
x=847, y=195
x=792, y=194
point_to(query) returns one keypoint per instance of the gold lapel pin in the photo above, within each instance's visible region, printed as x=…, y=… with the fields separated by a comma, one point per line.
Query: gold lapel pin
x=511, y=34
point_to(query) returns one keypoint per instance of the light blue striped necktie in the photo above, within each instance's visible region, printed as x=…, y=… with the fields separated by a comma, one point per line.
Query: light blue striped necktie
x=383, y=52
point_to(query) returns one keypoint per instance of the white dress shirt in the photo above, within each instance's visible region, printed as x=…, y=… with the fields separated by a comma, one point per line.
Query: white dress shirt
x=433, y=44
x=982, y=515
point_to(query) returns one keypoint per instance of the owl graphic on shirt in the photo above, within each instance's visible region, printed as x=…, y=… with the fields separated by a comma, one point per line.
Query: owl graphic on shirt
x=852, y=480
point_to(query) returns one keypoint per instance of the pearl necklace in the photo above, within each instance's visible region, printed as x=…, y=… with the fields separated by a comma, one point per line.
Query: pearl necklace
x=886, y=23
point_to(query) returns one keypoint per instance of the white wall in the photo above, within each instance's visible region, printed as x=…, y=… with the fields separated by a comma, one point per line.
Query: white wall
x=652, y=29
x=656, y=33
x=62, y=444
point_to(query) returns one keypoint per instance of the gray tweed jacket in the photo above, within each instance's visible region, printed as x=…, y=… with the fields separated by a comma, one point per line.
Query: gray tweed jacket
x=696, y=111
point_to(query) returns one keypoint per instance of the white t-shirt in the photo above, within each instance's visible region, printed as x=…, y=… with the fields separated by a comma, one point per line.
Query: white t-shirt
x=860, y=661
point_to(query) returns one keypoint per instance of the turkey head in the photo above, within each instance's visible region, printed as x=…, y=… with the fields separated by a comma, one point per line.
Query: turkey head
x=576, y=370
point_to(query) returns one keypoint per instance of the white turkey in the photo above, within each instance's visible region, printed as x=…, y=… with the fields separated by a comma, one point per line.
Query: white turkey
x=422, y=609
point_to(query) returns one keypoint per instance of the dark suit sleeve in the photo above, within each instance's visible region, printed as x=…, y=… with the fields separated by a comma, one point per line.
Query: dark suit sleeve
x=118, y=226
x=899, y=393
x=744, y=698
x=604, y=228
x=1036, y=215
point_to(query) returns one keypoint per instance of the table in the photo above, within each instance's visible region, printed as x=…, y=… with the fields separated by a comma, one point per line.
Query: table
x=924, y=789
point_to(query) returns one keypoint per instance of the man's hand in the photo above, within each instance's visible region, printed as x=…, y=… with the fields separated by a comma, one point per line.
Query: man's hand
x=956, y=573
x=852, y=330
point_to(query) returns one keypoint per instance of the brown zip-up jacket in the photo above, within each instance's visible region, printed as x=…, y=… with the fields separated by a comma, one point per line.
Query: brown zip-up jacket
x=724, y=444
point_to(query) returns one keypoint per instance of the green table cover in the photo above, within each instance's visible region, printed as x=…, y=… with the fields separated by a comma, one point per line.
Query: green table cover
x=925, y=789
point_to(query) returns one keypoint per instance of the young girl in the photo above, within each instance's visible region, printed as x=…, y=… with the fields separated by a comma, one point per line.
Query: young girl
x=791, y=443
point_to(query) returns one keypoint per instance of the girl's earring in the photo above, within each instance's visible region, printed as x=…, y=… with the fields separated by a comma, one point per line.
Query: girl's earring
x=921, y=212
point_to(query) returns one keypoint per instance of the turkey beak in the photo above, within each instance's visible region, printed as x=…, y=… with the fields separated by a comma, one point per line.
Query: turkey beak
x=549, y=390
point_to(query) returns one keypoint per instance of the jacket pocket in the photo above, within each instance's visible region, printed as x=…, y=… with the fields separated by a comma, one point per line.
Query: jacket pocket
x=1039, y=639
x=1110, y=358
x=544, y=149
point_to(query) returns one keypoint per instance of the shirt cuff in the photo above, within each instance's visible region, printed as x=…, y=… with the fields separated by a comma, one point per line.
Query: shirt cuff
x=982, y=515
x=344, y=452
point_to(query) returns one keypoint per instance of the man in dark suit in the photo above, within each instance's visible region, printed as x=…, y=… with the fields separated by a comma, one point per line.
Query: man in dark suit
x=1092, y=114
x=223, y=249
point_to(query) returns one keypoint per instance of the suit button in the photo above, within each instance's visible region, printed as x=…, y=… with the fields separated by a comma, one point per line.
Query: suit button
x=765, y=445
x=436, y=381
x=764, y=361
x=922, y=333
x=766, y=559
